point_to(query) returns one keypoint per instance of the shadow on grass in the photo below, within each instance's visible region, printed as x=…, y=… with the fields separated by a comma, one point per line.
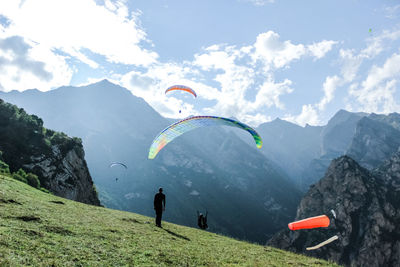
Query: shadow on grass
x=131, y=220
x=28, y=218
x=57, y=202
x=58, y=230
x=10, y=201
x=175, y=234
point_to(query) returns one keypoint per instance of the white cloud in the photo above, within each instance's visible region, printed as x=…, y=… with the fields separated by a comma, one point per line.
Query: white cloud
x=80, y=56
x=308, y=115
x=55, y=33
x=391, y=68
x=259, y=2
x=376, y=44
x=351, y=60
x=234, y=79
x=255, y=119
x=269, y=48
x=22, y=66
x=269, y=94
x=311, y=113
x=75, y=25
x=329, y=87
x=237, y=80
x=194, y=193
x=319, y=50
x=350, y=64
x=240, y=75
x=230, y=98
x=377, y=92
x=188, y=183
x=242, y=87
x=392, y=12
x=214, y=59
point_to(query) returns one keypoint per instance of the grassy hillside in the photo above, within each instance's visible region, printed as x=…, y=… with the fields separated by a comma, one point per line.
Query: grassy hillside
x=40, y=229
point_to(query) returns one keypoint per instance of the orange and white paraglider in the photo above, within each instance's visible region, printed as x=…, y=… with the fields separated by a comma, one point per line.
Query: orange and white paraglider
x=181, y=88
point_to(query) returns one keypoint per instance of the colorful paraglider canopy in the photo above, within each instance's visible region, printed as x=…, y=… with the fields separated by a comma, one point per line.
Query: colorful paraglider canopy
x=309, y=223
x=118, y=164
x=181, y=88
x=191, y=123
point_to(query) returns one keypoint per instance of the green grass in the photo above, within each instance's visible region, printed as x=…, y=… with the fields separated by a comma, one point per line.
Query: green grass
x=40, y=229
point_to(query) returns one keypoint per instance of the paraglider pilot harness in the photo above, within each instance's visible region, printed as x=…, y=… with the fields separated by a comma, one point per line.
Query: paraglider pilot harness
x=202, y=220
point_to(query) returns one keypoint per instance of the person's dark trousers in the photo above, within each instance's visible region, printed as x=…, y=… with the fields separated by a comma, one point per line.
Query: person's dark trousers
x=158, y=217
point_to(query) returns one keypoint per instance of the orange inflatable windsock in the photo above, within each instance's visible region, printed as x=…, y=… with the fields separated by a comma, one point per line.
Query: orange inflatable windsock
x=309, y=223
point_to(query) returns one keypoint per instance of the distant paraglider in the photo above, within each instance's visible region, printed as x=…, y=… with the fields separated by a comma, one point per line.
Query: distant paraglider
x=191, y=123
x=122, y=165
x=181, y=88
x=118, y=163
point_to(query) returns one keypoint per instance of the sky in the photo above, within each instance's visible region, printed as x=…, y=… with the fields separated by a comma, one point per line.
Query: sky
x=254, y=60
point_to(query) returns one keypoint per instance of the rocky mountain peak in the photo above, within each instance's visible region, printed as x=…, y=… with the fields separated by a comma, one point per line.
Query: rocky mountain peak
x=375, y=139
x=344, y=180
x=368, y=215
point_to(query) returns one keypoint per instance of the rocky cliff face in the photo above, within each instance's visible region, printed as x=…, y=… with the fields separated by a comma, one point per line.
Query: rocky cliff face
x=55, y=158
x=65, y=174
x=376, y=138
x=367, y=205
x=336, y=138
x=370, y=139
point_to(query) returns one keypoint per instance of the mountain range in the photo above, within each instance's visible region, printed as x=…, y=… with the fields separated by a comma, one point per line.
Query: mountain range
x=246, y=195
x=305, y=153
x=249, y=193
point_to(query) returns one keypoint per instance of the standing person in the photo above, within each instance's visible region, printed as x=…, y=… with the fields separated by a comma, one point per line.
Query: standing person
x=159, y=206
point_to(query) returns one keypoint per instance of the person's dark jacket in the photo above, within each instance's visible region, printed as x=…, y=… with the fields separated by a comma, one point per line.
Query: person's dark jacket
x=159, y=201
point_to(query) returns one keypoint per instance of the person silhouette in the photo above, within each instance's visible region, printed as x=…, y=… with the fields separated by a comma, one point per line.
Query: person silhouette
x=159, y=206
x=202, y=220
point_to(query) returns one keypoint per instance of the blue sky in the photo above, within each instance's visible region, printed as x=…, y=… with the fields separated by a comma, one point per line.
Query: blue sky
x=251, y=59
